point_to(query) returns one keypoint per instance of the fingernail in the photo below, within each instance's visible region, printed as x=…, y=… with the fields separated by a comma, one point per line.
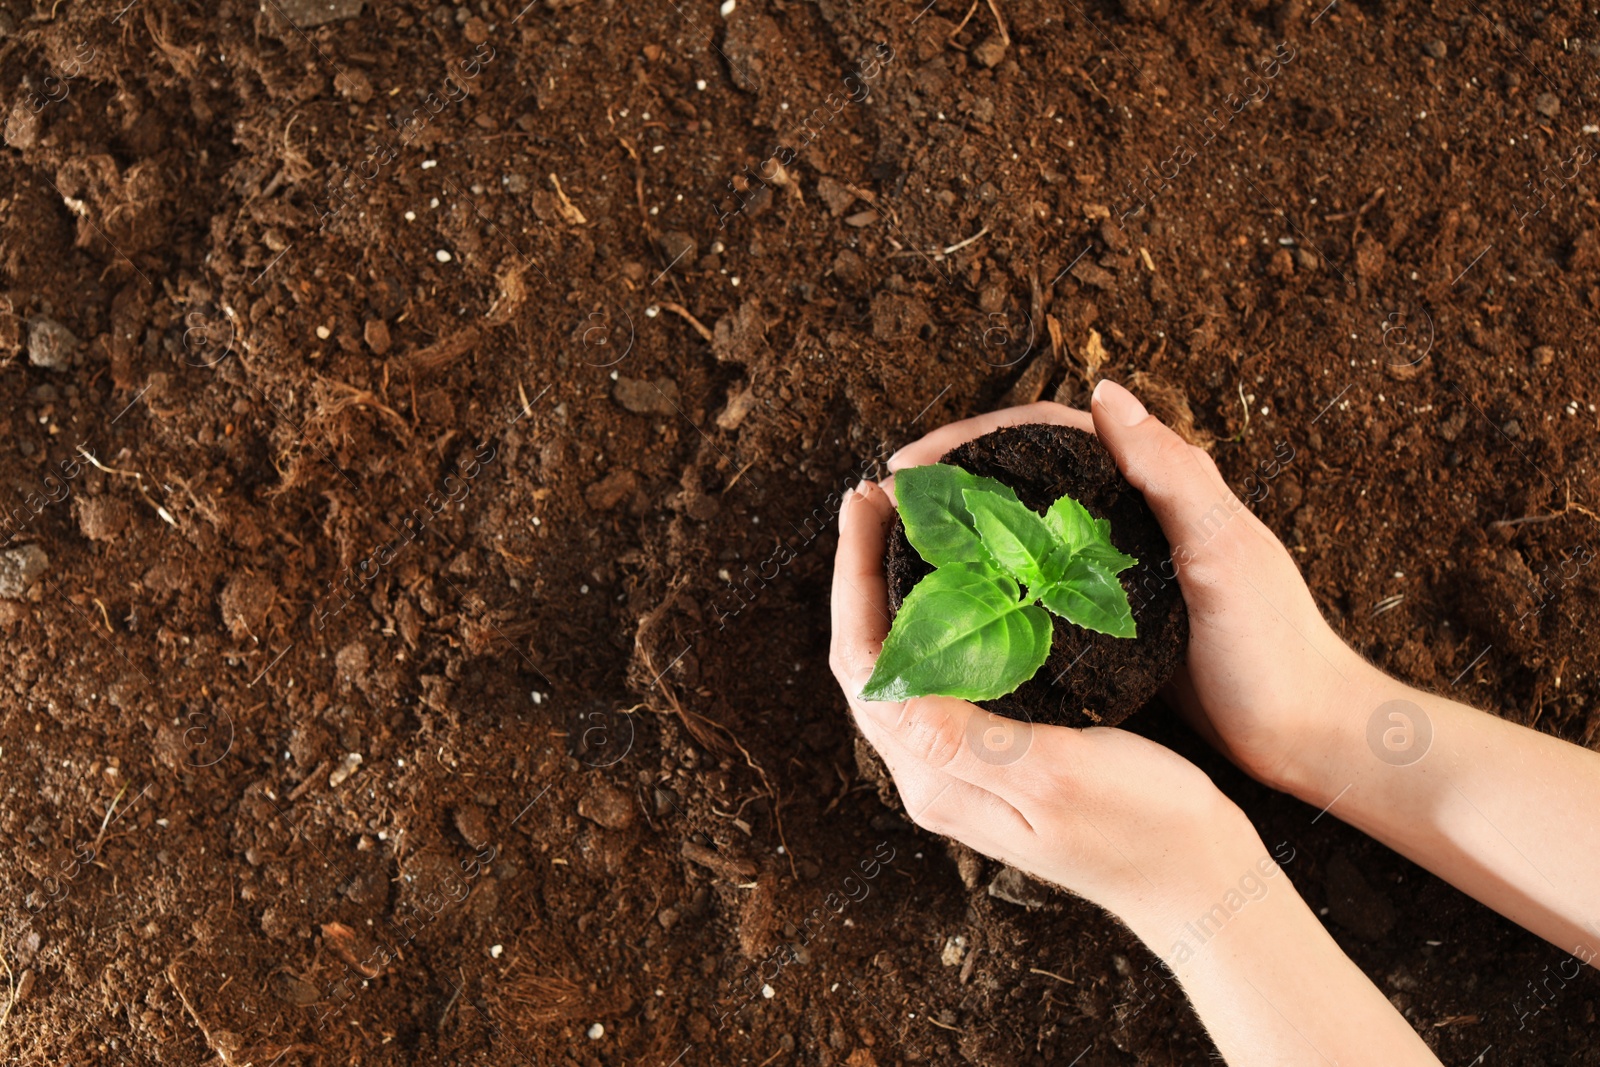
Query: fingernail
x=893, y=462
x=851, y=495
x=1121, y=405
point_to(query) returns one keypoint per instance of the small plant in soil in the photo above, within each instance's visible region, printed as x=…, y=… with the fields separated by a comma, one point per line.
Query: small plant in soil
x=1101, y=664
x=974, y=628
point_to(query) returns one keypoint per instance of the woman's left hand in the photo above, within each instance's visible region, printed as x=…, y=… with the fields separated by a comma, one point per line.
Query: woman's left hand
x=1102, y=812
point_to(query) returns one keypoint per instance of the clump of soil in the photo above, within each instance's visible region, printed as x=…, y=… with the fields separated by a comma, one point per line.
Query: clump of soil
x=1089, y=679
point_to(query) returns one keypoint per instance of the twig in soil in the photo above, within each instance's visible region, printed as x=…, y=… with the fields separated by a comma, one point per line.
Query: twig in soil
x=1051, y=974
x=440, y=354
x=1000, y=21
x=679, y=309
x=353, y=397
x=450, y=1004
x=224, y=1054
x=1388, y=603
x=940, y=1025
x=166, y=516
x=965, y=19
x=730, y=867
x=1554, y=515
x=12, y=998
x=105, y=617
x=569, y=210
x=941, y=252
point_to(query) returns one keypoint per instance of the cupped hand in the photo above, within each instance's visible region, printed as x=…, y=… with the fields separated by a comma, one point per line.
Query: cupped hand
x=1107, y=814
x=1265, y=677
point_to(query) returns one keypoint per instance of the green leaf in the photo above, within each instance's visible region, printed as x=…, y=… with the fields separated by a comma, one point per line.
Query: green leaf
x=1013, y=534
x=962, y=632
x=935, y=516
x=1085, y=535
x=1090, y=595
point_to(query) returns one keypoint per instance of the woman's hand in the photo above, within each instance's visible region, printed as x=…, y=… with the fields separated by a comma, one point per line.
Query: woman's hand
x=1107, y=814
x=1266, y=677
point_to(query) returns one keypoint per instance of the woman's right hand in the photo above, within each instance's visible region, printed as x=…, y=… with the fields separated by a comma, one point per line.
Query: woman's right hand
x=1266, y=677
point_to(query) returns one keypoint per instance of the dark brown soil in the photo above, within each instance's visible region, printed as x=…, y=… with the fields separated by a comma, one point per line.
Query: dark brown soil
x=1089, y=679
x=606, y=659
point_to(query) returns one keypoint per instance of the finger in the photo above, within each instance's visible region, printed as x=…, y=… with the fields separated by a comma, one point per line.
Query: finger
x=942, y=803
x=860, y=598
x=950, y=737
x=1189, y=498
x=931, y=448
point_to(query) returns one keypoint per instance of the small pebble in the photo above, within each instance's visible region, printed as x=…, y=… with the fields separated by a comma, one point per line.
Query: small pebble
x=323, y=333
x=495, y=950
x=1547, y=104
x=728, y=6
x=596, y=1032
x=442, y=256
x=990, y=51
x=345, y=769
x=768, y=992
x=1436, y=48
x=429, y=164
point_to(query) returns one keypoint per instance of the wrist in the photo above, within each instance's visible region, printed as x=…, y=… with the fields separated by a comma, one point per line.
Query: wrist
x=1225, y=865
x=1352, y=726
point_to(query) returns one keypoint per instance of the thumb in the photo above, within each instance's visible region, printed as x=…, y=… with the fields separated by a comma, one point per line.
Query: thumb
x=1187, y=494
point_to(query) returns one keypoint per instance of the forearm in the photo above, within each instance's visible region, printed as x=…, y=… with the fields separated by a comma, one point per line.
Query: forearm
x=1504, y=813
x=1264, y=976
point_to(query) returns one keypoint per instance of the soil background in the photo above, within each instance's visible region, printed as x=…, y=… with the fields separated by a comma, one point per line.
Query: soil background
x=430, y=666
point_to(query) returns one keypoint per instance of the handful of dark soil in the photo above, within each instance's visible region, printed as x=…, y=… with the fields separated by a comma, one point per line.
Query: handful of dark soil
x=1089, y=679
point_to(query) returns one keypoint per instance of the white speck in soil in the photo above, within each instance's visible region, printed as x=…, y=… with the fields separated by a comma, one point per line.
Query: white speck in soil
x=700, y=84
x=728, y=6
x=434, y=202
x=411, y=216
x=442, y=256
x=429, y=164
x=768, y=992
x=538, y=697
x=596, y=1032
x=323, y=333
x=496, y=950
x=583, y=589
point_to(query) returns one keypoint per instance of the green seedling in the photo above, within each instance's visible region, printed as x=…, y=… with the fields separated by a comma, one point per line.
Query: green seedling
x=974, y=628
